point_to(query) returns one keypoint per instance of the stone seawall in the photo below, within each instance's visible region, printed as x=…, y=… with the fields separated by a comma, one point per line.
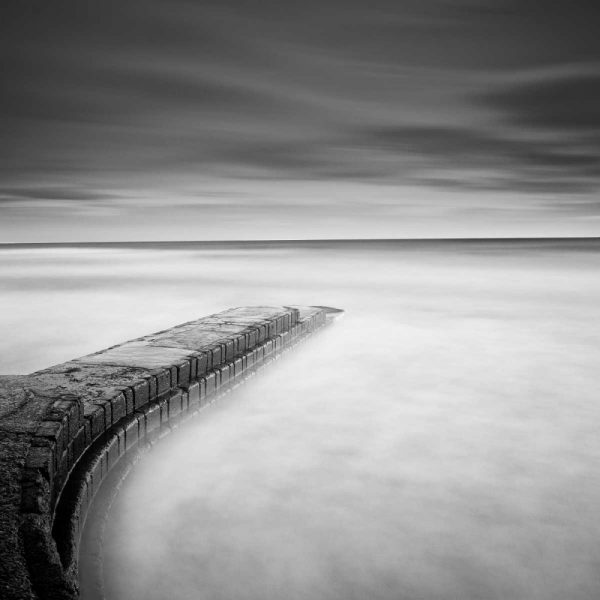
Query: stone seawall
x=64, y=428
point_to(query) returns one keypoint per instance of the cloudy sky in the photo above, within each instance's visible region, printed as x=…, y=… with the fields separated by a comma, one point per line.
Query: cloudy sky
x=231, y=119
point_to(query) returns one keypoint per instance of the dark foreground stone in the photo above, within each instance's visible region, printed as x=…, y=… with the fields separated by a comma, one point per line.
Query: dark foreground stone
x=64, y=428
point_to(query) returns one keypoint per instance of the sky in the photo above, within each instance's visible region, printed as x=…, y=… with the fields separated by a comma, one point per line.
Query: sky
x=229, y=119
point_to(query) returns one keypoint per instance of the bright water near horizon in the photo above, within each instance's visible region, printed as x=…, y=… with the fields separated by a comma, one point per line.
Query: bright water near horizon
x=441, y=441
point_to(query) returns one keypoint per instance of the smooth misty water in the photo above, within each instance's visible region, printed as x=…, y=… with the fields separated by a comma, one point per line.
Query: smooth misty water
x=440, y=441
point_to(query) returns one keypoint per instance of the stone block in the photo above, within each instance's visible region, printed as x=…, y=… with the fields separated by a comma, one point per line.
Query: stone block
x=184, y=372
x=64, y=463
x=129, y=400
x=270, y=330
x=162, y=378
x=104, y=463
x=152, y=388
x=216, y=355
x=35, y=492
x=251, y=338
x=70, y=407
x=163, y=404
x=295, y=315
x=185, y=400
x=244, y=342
x=225, y=373
x=96, y=475
x=118, y=407
x=58, y=416
x=263, y=332
x=107, y=408
x=141, y=393
x=238, y=367
x=121, y=437
x=193, y=395
x=211, y=384
x=132, y=432
x=140, y=417
x=68, y=458
x=52, y=433
x=259, y=354
x=174, y=371
x=151, y=415
x=41, y=460
x=112, y=452
x=80, y=442
x=85, y=500
x=229, y=347
x=202, y=383
x=193, y=360
x=203, y=367
x=175, y=404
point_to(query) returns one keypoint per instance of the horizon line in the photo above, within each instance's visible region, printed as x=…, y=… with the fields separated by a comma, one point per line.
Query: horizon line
x=301, y=240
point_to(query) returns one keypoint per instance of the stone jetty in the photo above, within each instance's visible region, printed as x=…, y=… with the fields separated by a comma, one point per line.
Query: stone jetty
x=63, y=429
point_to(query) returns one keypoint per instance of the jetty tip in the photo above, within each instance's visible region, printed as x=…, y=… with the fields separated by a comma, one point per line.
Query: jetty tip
x=331, y=312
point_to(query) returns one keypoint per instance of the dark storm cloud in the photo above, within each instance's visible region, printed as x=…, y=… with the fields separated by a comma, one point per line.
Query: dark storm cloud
x=88, y=67
x=585, y=207
x=69, y=193
x=476, y=148
x=120, y=94
x=96, y=93
x=565, y=102
x=439, y=156
x=524, y=163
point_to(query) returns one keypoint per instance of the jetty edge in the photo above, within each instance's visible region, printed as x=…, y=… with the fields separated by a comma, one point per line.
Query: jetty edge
x=63, y=429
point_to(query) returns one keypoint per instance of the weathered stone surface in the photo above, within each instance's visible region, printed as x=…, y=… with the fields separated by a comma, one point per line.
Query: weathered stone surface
x=136, y=354
x=63, y=428
x=20, y=408
x=15, y=583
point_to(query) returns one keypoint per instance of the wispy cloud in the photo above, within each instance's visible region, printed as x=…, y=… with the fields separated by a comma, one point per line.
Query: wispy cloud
x=117, y=100
x=563, y=103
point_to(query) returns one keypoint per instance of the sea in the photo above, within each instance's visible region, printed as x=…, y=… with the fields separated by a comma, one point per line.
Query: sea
x=440, y=441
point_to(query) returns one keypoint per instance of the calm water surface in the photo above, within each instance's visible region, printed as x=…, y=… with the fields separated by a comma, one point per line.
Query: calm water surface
x=440, y=441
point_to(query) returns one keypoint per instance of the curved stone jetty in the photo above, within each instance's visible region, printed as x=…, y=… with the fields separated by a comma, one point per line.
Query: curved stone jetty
x=64, y=428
